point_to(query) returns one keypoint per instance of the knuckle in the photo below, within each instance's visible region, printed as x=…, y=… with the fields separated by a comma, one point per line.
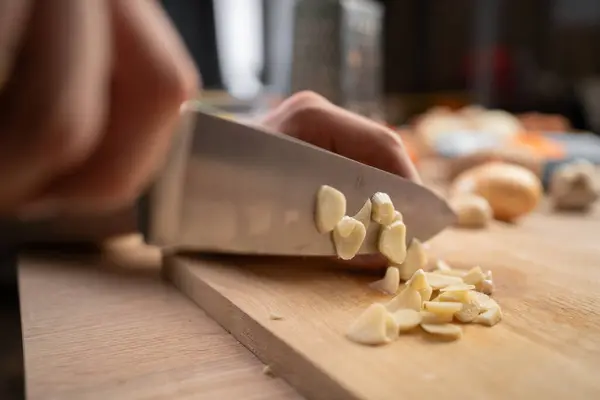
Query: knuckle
x=176, y=84
x=390, y=139
x=305, y=99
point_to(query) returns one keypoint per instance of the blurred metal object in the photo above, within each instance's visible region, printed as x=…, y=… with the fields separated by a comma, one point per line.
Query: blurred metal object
x=337, y=52
x=486, y=31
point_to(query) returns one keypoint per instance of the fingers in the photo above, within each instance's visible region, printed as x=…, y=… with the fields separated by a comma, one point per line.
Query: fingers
x=153, y=75
x=53, y=107
x=309, y=117
x=13, y=16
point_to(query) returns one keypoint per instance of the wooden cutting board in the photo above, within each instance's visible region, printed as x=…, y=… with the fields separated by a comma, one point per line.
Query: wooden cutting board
x=547, y=274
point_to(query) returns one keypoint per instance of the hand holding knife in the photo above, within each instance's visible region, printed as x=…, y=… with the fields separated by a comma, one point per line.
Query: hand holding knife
x=229, y=187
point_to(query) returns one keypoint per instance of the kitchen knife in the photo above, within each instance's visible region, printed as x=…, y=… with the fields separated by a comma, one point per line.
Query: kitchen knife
x=235, y=188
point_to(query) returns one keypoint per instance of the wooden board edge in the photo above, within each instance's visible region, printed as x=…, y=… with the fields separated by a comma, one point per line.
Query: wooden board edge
x=296, y=369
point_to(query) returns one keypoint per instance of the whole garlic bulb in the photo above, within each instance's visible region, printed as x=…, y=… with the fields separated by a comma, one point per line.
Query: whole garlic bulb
x=572, y=186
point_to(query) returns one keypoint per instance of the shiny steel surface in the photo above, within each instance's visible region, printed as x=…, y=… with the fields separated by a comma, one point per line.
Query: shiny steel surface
x=228, y=187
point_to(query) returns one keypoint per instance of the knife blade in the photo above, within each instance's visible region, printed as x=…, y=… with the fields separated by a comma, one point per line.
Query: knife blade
x=235, y=188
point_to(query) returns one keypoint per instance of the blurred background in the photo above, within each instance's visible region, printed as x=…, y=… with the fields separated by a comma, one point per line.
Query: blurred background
x=519, y=55
x=453, y=78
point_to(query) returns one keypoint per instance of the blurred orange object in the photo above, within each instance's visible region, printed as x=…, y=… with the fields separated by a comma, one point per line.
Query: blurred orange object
x=408, y=139
x=545, y=122
x=538, y=145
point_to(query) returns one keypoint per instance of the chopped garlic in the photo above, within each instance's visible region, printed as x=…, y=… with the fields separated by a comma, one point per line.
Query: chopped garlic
x=469, y=312
x=407, y=319
x=390, y=282
x=398, y=216
x=459, y=296
x=429, y=317
x=419, y=282
x=374, y=326
x=348, y=236
x=490, y=317
x=487, y=286
x=392, y=242
x=364, y=214
x=474, y=277
x=382, y=209
x=408, y=298
x=484, y=302
x=442, y=307
x=457, y=288
x=438, y=282
x=416, y=259
x=274, y=316
x=449, y=331
x=330, y=209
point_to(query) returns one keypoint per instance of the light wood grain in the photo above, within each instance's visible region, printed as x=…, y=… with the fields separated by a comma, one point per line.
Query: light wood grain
x=547, y=271
x=93, y=334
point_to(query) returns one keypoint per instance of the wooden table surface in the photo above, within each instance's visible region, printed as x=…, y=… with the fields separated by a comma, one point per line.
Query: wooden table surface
x=89, y=334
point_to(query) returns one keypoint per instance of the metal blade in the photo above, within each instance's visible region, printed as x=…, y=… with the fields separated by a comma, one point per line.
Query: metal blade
x=233, y=188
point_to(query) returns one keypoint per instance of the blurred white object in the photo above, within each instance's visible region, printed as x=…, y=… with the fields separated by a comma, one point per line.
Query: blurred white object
x=239, y=29
x=476, y=127
x=497, y=122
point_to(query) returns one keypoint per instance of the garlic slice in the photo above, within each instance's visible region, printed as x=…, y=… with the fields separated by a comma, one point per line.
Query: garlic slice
x=475, y=276
x=348, y=236
x=375, y=326
x=408, y=298
x=416, y=259
x=490, y=317
x=398, y=216
x=468, y=313
x=330, y=208
x=419, y=282
x=392, y=242
x=459, y=287
x=459, y=296
x=437, y=281
x=449, y=331
x=383, y=211
x=428, y=317
x=483, y=301
x=438, y=307
x=407, y=319
x=487, y=286
x=390, y=282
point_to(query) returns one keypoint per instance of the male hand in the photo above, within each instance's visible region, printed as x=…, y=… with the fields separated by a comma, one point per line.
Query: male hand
x=90, y=92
